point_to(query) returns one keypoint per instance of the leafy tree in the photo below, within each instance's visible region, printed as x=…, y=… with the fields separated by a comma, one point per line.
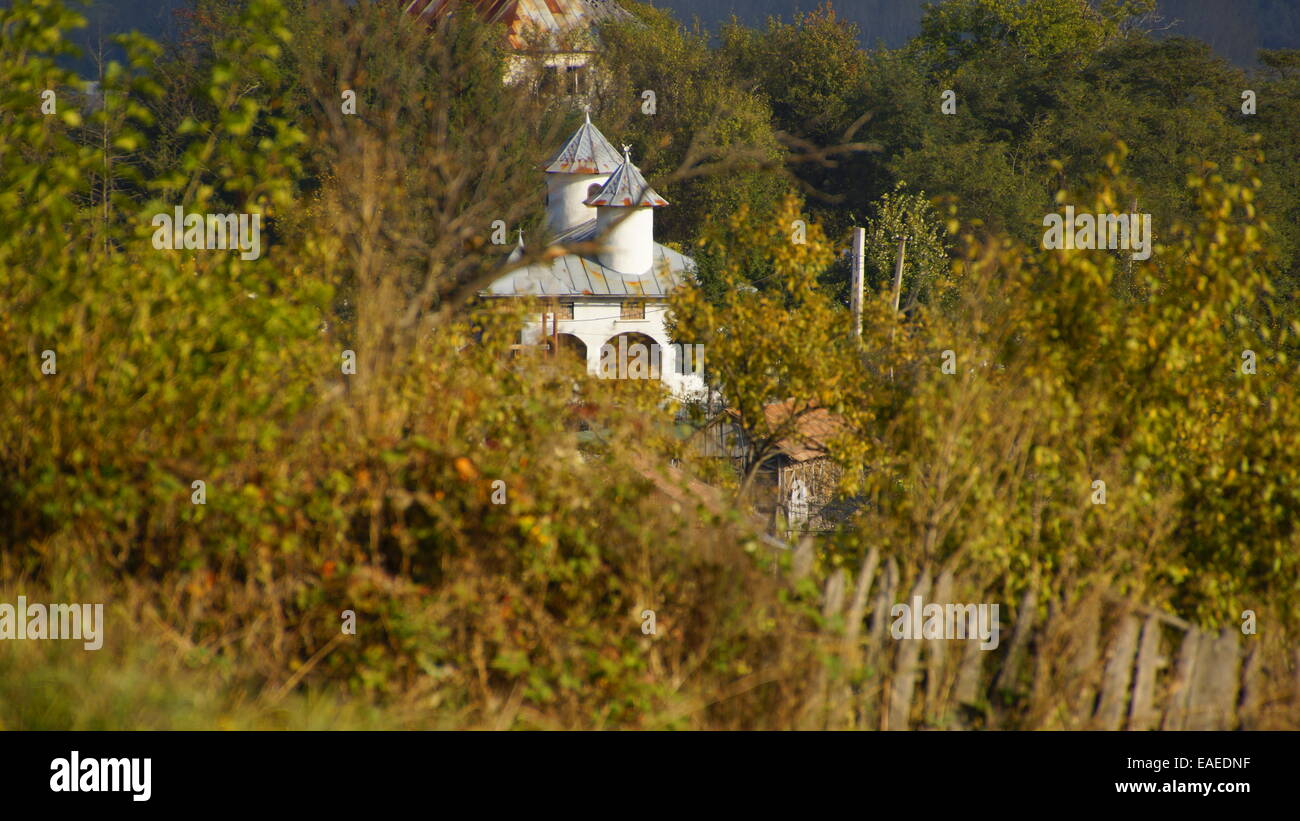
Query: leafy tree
x=807, y=69
x=810, y=71
x=785, y=343
x=1276, y=122
x=1063, y=380
x=709, y=145
x=904, y=214
x=953, y=32
x=375, y=491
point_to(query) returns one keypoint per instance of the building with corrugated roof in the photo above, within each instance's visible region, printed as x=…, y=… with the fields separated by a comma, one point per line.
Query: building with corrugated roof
x=555, y=39
x=608, y=305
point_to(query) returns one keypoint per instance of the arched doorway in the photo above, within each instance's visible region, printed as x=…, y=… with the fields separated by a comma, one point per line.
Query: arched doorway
x=571, y=348
x=630, y=355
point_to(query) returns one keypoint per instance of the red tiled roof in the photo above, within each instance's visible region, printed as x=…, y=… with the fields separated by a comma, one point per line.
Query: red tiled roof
x=561, y=19
x=813, y=429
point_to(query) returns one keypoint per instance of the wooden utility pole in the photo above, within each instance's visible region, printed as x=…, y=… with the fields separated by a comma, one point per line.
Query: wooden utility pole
x=898, y=292
x=855, y=291
x=898, y=271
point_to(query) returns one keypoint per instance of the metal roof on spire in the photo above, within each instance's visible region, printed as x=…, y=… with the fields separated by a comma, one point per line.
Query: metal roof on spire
x=586, y=152
x=626, y=188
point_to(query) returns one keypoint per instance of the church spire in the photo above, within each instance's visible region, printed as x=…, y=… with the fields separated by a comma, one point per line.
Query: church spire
x=580, y=167
x=586, y=152
x=625, y=224
x=626, y=188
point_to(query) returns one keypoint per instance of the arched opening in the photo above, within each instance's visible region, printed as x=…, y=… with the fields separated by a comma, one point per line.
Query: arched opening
x=631, y=356
x=570, y=347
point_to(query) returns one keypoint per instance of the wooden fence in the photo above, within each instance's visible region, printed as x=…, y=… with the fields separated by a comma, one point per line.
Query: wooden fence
x=1102, y=664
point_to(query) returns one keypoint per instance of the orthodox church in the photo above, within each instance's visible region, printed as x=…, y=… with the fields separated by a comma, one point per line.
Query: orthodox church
x=607, y=307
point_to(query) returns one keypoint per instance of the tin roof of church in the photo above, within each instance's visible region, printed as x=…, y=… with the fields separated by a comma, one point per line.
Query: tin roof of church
x=561, y=19
x=575, y=275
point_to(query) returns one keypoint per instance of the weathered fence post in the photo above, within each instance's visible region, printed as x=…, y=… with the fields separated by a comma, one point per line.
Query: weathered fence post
x=1118, y=676
x=1214, y=697
x=1181, y=688
x=852, y=649
x=969, y=676
x=1084, y=664
x=833, y=595
x=872, y=698
x=1251, y=684
x=884, y=600
x=1144, y=715
x=903, y=683
x=937, y=650
x=802, y=563
x=1010, y=672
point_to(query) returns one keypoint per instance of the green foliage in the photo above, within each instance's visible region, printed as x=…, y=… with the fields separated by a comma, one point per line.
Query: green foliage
x=1063, y=378
x=710, y=145
x=785, y=342
x=373, y=492
x=953, y=32
x=808, y=69
x=1276, y=123
x=324, y=492
x=810, y=72
x=910, y=215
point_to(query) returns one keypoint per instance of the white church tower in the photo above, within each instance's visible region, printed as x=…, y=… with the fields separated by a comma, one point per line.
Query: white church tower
x=608, y=307
x=577, y=170
x=625, y=219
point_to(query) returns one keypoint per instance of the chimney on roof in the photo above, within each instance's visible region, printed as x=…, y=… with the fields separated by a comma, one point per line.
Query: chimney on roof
x=625, y=223
x=577, y=170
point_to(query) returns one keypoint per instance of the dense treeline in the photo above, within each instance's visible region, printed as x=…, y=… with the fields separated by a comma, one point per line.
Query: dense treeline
x=1040, y=96
x=1236, y=29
